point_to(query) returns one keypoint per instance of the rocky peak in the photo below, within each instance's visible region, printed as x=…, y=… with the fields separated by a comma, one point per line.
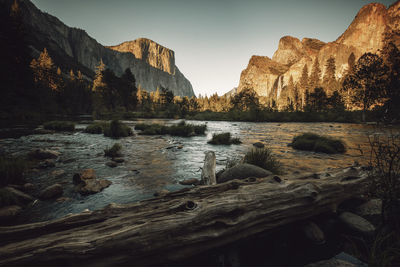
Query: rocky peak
x=151, y=52
x=367, y=29
x=312, y=46
x=290, y=50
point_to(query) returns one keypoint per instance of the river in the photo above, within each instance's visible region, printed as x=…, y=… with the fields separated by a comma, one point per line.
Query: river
x=153, y=163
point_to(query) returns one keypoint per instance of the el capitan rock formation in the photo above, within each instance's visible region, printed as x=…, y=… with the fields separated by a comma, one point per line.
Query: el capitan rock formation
x=152, y=64
x=367, y=33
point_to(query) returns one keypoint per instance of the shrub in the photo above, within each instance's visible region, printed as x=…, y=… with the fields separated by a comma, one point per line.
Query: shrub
x=12, y=170
x=385, y=177
x=97, y=127
x=59, y=126
x=180, y=129
x=317, y=143
x=114, y=151
x=263, y=158
x=224, y=139
x=117, y=129
x=200, y=129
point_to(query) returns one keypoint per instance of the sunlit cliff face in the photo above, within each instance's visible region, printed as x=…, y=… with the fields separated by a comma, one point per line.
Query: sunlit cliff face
x=268, y=77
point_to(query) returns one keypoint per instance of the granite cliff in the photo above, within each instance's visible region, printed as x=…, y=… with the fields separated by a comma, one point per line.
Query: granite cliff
x=152, y=64
x=270, y=77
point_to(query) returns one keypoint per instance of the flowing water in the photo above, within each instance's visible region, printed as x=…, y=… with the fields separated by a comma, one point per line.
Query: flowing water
x=153, y=163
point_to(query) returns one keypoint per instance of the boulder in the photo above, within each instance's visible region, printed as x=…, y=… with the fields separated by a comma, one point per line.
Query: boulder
x=242, y=171
x=20, y=197
x=118, y=160
x=43, y=154
x=47, y=163
x=63, y=199
x=258, y=145
x=370, y=210
x=331, y=263
x=313, y=233
x=53, y=191
x=57, y=173
x=9, y=212
x=192, y=181
x=357, y=223
x=84, y=175
x=92, y=186
x=87, y=183
x=112, y=164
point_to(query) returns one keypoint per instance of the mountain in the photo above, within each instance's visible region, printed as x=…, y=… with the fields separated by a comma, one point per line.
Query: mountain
x=270, y=77
x=152, y=64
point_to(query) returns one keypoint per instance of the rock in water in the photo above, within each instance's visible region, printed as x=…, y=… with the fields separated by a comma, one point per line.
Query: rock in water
x=258, y=145
x=53, y=191
x=83, y=176
x=43, y=154
x=9, y=212
x=118, y=160
x=242, y=171
x=20, y=197
x=112, y=164
x=93, y=186
x=357, y=223
x=87, y=183
x=192, y=181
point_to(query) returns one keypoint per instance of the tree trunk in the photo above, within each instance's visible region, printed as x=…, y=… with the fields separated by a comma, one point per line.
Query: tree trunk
x=208, y=171
x=178, y=225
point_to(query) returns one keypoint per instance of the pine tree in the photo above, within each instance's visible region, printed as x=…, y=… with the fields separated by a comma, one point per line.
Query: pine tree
x=315, y=77
x=98, y=80
x=304, y=85
x=329, y=80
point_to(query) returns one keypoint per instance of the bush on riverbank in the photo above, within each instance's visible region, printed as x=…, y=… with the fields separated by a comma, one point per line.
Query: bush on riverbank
x=12, y=170
x=224, y=139
x=117, y=129
x=114, y=151
x=180, y=129
x=59, y=126
x=264, y=158
x=97, y=127
x=317, y=143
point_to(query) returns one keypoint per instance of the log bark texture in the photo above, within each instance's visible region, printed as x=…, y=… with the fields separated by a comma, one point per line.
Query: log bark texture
x=179, y=224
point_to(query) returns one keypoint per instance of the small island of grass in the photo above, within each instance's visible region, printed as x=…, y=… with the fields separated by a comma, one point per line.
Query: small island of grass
x=181, y=129
x=63, y=126
x=318, y=143
x=114, y=129
x=224, y=139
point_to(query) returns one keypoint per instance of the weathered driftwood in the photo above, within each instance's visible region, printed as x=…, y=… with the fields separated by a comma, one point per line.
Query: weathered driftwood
x=179, y=224
x=208, y=171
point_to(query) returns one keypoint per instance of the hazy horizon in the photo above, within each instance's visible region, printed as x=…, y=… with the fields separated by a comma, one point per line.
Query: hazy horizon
x=213, y=40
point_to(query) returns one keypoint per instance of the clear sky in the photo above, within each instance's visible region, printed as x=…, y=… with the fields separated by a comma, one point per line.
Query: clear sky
x=213, y=40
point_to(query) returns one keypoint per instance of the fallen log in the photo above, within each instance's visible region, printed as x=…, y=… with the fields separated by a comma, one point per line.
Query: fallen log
x=180, y=224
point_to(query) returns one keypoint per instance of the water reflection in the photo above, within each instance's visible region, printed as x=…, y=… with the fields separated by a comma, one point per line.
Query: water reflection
x=153, y=163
